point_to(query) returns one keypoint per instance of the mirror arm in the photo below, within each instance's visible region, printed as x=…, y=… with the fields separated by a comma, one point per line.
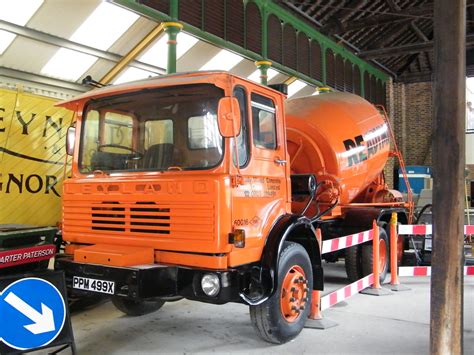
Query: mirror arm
x=239, y=175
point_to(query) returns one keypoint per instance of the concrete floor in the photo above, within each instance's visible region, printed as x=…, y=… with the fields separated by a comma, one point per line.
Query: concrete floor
x=396, y=324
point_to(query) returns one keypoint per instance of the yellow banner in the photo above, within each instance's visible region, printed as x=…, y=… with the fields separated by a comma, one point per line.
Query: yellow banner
x=32, y=157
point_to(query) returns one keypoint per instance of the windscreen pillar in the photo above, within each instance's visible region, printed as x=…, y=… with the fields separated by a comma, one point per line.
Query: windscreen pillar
x=172, y=29
x=263, y=66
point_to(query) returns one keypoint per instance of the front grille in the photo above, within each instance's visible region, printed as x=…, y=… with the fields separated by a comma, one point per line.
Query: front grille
x=108, y=215
x=156, y=216
x=138, y=218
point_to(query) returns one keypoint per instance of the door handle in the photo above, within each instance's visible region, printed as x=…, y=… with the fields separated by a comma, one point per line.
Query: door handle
x=280, y=161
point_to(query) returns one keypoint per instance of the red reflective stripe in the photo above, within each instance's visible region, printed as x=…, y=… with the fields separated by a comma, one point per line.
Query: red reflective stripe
x=419, y=229
x=334, y=244
x=333, y=298
x=360, y=285
x=470, y=270
x=347, y=292
x=420, y=271
x=349, y=241
x=469, y=229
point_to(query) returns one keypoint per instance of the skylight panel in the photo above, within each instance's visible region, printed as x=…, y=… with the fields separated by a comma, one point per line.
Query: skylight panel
x=132, y=74
x=68, y=64
x=295, y=86
x=157, y=54
x=224, y=60
x=255, y=76
x=18, y=12
x=6, y=38
x=104, y=26
x=185, y=43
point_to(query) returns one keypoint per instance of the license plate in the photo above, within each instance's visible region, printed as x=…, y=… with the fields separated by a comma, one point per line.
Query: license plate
x=84, y=283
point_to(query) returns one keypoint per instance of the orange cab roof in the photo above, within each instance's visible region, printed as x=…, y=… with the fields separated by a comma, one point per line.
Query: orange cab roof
x=218, y=78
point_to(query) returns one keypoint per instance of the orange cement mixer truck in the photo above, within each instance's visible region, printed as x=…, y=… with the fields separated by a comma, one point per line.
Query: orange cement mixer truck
x=210, y=187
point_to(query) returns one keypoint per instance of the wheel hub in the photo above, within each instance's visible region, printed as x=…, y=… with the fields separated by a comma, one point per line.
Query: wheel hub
x=294, y=293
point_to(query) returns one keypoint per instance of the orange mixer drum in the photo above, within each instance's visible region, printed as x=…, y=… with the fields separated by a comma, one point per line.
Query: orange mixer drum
x=342, y=139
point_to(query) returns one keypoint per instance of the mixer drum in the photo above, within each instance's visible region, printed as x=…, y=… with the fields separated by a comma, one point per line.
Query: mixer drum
x=342, y=139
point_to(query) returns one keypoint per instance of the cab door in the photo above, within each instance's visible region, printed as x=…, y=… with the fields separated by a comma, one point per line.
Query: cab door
x=260, y=196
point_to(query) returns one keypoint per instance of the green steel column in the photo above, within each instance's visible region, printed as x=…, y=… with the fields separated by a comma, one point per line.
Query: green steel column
x=174, y=4
x=172, y=29
x=263, y=66
x=323, y=63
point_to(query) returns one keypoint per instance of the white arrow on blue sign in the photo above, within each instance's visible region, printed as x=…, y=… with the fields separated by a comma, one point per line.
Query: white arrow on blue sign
x=33, y=313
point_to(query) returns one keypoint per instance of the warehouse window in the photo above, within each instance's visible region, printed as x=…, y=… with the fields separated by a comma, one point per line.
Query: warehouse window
x=263, y=119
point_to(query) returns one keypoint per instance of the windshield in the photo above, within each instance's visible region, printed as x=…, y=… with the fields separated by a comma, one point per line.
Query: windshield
x=173, y=128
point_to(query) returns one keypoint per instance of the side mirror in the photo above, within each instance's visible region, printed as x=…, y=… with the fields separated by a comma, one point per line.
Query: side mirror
x=228, y=117
x=70, y=140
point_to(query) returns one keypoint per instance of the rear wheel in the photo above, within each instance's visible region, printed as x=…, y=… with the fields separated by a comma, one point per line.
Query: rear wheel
x=368, y=256
x=282, y=317
x=136, y=308
x=353, y=263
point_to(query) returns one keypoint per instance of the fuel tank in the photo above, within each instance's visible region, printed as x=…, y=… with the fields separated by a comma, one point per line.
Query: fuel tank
x=344, y=141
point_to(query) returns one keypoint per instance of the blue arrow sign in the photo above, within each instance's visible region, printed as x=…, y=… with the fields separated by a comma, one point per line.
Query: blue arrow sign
x=32, y=313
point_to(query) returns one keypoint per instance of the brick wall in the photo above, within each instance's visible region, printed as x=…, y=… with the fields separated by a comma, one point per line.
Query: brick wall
x=411, y=113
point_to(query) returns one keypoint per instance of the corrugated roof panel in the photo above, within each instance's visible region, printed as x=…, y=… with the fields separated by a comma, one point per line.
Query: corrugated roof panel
x=62, y=18
x=224, y=60
x=27, y=55
x=197, y=56
x=133, y=36
x=132, y=74
x=68, y=64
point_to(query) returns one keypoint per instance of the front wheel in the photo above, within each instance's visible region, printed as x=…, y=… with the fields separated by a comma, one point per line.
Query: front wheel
x=282, y=317
x=136, y=308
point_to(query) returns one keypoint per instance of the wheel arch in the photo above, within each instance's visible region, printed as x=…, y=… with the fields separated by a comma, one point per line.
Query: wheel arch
x=292, y=228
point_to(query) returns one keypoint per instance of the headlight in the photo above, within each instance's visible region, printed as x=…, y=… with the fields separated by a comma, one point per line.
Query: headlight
x=210, y=284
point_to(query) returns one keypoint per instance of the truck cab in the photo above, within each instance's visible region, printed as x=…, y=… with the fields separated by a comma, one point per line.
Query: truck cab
x=180, y=187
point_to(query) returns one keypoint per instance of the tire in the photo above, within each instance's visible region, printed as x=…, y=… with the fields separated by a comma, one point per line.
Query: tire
x=273, y=320
x=368, y=256
x=136, y=308
x=353, y=263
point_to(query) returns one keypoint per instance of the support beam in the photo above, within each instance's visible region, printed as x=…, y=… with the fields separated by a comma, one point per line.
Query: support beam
x=407, y=49
x=62, y=42
x=425, y=11
x=446, y=334
x=42, y=80
x=132, y=54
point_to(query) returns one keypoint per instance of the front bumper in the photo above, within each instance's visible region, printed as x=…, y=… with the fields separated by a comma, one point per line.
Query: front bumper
x=155, y=281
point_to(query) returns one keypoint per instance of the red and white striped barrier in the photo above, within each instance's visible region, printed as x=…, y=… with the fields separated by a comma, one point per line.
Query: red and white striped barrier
x=347, y=241
x=426, y=229
x=344, y=293
x=426, y=271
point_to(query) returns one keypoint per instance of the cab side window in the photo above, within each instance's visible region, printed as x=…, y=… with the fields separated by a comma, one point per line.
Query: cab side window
x=263, y=119
x=242, y=138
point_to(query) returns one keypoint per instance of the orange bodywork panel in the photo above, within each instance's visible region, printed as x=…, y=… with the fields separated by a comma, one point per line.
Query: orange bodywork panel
x=114, y=255
x=196, y=260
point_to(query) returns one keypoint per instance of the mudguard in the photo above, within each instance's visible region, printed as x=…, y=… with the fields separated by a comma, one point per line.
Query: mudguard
x=283, y=230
